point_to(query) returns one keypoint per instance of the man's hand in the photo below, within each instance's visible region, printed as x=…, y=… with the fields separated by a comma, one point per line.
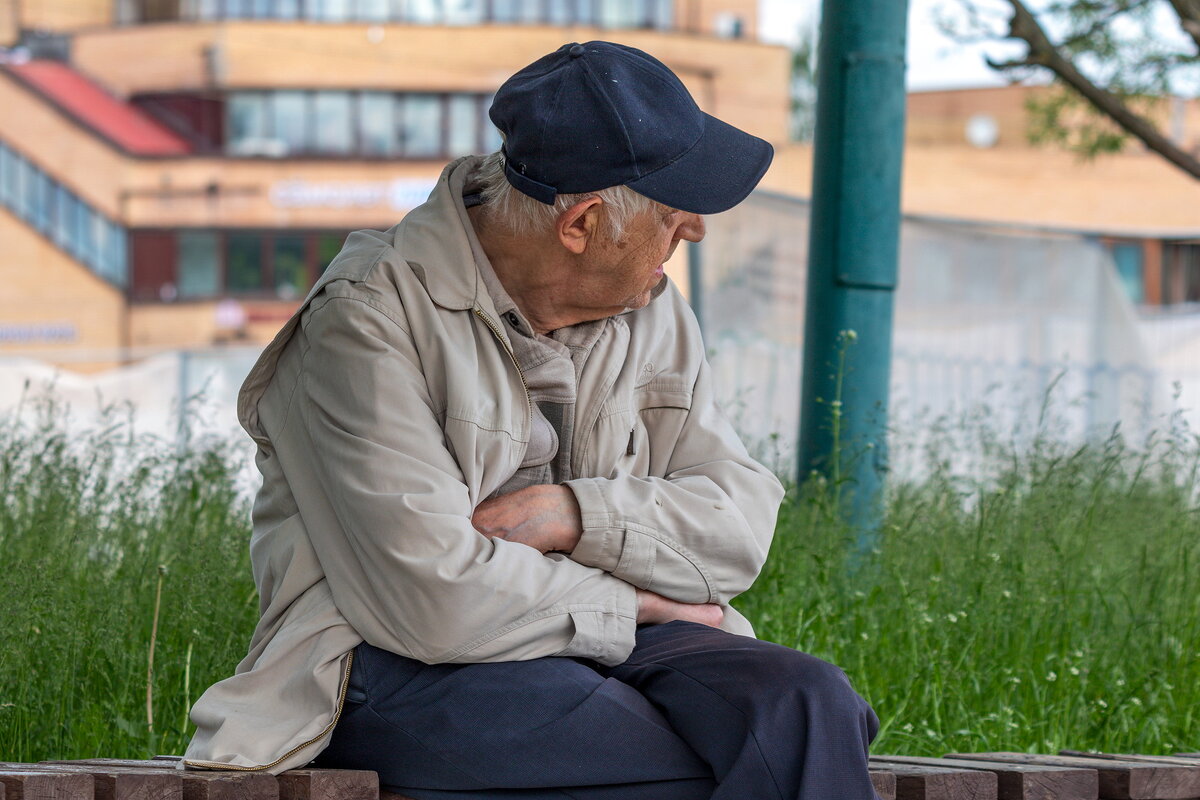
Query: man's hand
x=654, y=609
x=545, y=517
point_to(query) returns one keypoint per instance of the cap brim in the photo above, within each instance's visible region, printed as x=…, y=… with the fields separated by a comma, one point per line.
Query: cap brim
x=716, y=174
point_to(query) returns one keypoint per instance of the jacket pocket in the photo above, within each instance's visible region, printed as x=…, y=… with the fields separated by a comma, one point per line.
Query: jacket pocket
x=638, y=436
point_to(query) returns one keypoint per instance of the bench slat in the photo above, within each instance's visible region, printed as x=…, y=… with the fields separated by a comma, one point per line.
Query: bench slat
x=884, y=782
x=295, y=784
x=1020, y=781
x=114, y=784
x=914, y=782
x=1119, y=780
x=197, y=785
x=1178, y=760
x=27, y=784
x=328, y=784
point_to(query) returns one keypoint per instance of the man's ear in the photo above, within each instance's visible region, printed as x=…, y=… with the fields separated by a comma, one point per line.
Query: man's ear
x=577, y=226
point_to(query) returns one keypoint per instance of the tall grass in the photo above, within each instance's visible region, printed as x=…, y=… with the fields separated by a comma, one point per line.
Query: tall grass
x=95, y=532
x=1045, y=601
x=1048, y=600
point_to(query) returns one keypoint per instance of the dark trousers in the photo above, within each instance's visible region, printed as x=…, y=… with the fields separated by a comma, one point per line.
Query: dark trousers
x=694, y=713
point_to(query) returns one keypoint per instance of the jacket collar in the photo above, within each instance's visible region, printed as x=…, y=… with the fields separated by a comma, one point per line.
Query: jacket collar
x=444, y=260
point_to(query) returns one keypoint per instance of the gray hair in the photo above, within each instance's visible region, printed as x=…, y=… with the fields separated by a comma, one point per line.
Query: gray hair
x=521, y=215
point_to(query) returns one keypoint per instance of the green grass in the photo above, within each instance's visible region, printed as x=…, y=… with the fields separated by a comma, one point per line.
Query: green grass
x=89, y=526
x=1048, y=602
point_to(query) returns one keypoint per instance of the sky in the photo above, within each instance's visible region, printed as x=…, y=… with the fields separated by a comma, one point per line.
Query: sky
x=934, y=61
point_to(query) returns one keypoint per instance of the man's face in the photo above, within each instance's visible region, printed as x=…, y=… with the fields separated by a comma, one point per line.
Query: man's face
x=622, y=273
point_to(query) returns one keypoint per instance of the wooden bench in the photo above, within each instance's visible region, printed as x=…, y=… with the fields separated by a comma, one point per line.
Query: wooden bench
x=1068, y=775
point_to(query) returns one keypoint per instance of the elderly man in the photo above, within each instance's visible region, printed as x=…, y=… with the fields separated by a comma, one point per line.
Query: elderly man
x=502, y=516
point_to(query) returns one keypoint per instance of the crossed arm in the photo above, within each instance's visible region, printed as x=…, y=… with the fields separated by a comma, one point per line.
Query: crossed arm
x=400, y=543
x=547, y=518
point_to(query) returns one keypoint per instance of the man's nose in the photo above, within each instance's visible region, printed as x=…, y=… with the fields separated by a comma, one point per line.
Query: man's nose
x=691, y=228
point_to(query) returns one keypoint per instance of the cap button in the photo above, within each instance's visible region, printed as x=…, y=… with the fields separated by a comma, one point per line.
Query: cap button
x=576, y=50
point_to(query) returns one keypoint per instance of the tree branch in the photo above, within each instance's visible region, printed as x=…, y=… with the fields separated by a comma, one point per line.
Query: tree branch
x=1043, y=53
x=1189, y=18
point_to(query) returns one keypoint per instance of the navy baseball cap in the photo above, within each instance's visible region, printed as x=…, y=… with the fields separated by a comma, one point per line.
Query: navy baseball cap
x=589, y=116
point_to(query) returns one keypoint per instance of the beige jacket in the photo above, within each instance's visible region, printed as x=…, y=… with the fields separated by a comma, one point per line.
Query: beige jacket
x=385, y=410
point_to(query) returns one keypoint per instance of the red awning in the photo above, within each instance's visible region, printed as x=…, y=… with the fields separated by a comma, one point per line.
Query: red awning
x=120, y=122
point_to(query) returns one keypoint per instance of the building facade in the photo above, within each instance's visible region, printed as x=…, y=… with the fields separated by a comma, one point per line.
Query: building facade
x=177, y=173
x=968, y=157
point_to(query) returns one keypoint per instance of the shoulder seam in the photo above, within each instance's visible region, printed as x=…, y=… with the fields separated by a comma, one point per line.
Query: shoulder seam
x=387, y=313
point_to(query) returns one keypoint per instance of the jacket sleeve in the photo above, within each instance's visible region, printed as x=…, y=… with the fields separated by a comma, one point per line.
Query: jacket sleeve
x=700, y=532
x=389, y=515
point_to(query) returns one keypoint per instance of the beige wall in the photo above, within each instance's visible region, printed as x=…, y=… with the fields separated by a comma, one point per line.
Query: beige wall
x=940, y=117
x=1134, y=193
x=43, y=286
x=172, y=325
x=65, y=15
x=742, y=81
x=704, y=16
x=9, y=30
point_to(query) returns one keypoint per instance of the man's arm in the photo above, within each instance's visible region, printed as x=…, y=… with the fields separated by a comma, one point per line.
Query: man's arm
x=390, y=517
x=547, y=518
x=697, y=534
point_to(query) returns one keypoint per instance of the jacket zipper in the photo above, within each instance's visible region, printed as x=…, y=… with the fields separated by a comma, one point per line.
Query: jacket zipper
x=524, y=384
x=341, y=701
x=350, y=657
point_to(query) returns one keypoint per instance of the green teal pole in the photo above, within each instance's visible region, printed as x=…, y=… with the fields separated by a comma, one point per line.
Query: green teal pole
x=853, y=249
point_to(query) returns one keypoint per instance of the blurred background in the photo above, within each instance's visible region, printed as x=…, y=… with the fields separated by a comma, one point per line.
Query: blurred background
x=175, y=175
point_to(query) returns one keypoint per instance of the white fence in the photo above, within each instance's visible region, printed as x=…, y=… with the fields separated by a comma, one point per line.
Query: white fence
x=1005, y=324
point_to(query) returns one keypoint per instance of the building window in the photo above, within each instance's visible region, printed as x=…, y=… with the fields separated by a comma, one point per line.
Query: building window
x=289, y=121
x=633, y=13
x=375, y=10
x=21, y=189
x=1128, y=259
x=608, y=13
x=247, y=123
x=54, y=211
x=328, y=246
x=197, y=265
x=464, y=117
x=330, y=10
x=377, y=123
x=8, y=176
x=40, y=199
x=243, y=263
x=367, y=123
x=421, y=126
x=333, y=123
x=62, y=217
x=530, y=12
x=290, y=267
x=204, y=265
x=1181, y=272
x=728, y=26
x=463, y=12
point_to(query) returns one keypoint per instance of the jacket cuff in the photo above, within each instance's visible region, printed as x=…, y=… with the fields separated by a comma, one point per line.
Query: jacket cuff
x=617, y=546
x=607, y=635
x=601, y=543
